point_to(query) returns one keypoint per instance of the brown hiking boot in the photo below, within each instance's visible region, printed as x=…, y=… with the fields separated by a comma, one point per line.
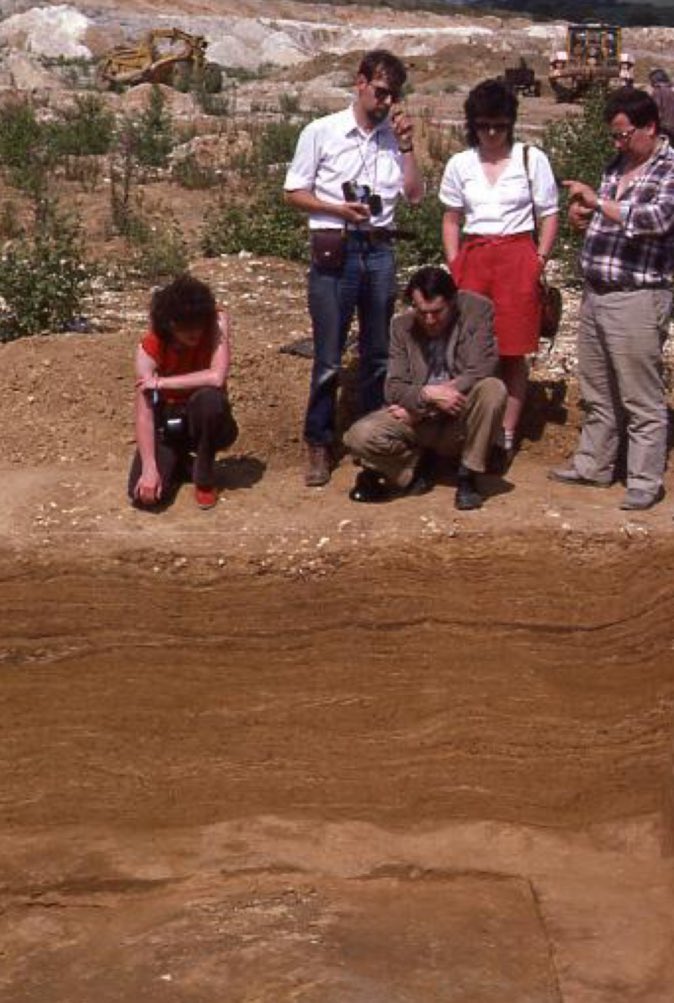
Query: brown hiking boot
x=318, y=466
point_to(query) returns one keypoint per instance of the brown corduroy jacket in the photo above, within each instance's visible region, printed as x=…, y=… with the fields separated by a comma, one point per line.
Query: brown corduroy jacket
x=471, y=352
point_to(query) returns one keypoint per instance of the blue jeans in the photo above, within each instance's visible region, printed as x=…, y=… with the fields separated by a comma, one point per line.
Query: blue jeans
x=365, y=284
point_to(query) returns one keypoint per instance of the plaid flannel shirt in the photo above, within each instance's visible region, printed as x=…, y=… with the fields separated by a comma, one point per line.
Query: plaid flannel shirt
x=638, y=252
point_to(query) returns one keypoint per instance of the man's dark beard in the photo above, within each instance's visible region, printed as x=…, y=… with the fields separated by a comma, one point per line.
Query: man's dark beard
x=377, y=115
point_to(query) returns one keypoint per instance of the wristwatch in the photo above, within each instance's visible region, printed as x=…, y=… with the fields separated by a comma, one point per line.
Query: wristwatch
x=600, y=204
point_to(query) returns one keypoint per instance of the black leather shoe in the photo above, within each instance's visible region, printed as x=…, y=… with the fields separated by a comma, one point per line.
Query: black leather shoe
x=420, y=484
x=499, y=460
x=370, y=487
x=467, y=496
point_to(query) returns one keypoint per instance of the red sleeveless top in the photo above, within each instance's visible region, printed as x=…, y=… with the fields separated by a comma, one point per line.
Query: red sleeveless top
x=176, y=360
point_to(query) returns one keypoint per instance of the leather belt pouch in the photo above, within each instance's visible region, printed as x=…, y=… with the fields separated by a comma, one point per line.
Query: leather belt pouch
x=328, y=248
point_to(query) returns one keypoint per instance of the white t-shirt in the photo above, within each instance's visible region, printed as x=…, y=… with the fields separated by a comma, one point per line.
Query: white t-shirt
x=334, y=149
x=505, y=207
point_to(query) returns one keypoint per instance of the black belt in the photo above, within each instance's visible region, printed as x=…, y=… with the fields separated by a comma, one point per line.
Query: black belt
x=601, y=288
x=374, y=236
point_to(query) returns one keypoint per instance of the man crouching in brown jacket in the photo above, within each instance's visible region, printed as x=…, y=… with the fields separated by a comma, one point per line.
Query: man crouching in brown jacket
x=441, y=392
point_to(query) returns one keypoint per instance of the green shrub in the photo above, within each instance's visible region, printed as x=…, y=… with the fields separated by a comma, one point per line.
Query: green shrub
x=123, y=169
x=86, y=128
x=276, y=142
x=141, y=142
x=273, y=145
x=421, y=229
x=30, y=150
x=149, y=135
x=157, y=248
x=88, y=171
x=10, y=224
x=26, y=154
x=77, y=72
x=578, y=147
x=243, y=75
x=20, y=132
x=190, y=174
x=265, y=225
x=44, y=276
x=220, y=103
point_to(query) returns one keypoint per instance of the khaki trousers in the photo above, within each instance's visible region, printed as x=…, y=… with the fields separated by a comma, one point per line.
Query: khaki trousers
x=620, y=373
x=393, y=447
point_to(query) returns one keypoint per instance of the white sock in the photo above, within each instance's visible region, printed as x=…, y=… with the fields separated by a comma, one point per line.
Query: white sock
x=508, y=438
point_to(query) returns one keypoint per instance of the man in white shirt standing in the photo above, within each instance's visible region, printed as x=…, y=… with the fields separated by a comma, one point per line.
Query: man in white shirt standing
x=347, y=173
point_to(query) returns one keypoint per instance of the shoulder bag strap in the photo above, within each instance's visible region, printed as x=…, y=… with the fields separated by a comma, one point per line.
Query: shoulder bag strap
x=543, y=279
x=531, y=188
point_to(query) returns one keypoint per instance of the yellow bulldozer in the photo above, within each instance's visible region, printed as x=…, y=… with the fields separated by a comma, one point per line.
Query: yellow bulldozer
x=163, y=56
x=593, y=57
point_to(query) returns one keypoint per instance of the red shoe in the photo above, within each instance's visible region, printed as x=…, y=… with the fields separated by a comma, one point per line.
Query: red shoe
x=205, y=497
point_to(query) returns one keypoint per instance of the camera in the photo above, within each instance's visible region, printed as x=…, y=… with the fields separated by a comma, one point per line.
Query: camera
x=173, y=429
x=170, y=420
x=174, y=426
x=354, y=192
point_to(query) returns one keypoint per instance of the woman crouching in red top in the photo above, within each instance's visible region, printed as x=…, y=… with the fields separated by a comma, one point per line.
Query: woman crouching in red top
x=181, y=400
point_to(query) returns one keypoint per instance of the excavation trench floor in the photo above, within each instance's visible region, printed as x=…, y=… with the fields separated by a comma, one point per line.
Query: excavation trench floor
x=433, y=774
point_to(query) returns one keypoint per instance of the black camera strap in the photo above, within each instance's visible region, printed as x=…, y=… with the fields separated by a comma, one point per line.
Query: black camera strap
x=371, y=176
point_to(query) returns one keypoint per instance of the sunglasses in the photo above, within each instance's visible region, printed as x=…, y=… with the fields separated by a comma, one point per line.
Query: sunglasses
x=384, y=93
x=493, y=126
x=622, y=136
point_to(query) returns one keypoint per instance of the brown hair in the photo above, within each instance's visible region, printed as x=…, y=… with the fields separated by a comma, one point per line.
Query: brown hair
x=185, y=302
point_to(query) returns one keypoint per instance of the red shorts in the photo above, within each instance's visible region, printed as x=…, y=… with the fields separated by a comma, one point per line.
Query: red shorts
x=508, y=271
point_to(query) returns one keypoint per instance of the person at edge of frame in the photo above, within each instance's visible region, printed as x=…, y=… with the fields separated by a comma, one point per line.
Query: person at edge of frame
x=182, y=412
x=627, y=260
x=347, y=173
x=662, y=93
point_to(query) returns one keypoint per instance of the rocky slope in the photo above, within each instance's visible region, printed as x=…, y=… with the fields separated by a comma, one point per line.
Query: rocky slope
x=252, y=34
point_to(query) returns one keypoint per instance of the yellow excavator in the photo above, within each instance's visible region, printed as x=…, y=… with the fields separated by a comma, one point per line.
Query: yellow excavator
x=163, y=56
x=593, y=56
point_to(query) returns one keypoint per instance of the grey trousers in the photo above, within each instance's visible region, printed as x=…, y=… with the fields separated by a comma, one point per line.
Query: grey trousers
x=620, y=341
x=393, y=447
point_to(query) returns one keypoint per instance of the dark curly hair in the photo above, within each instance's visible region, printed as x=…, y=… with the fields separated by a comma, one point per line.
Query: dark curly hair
x=185, y=302
x=636, y=105
x=384, y=62
x=431, y=281
x=489, y=99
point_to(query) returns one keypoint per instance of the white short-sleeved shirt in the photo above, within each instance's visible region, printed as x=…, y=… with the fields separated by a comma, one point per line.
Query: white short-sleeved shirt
x=505, y=207
x=334, y=149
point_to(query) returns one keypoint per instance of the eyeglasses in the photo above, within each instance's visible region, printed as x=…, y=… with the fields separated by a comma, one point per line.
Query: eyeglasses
x=493, y=126
x=384, y=93
x=623, y=135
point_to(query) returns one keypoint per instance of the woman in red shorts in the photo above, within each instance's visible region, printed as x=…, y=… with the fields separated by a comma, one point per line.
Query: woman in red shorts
x=182, y=412
x=506, y=237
